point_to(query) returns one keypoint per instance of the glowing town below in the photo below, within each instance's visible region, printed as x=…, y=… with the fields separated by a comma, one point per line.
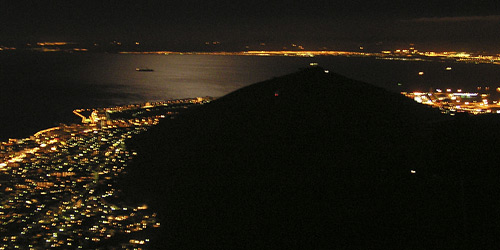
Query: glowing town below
x=59, y=187
x=483, y=101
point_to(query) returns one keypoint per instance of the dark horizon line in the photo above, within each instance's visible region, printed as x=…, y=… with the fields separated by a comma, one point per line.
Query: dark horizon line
x=235, y=51
x=116, y=45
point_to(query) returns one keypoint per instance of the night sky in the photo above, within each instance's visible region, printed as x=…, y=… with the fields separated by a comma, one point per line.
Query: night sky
x=315, y=24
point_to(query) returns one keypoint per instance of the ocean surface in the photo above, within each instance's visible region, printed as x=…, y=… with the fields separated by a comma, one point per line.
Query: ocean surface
x=39, y=90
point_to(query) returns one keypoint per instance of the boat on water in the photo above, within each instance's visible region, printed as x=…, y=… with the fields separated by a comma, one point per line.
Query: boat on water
x=143, y=69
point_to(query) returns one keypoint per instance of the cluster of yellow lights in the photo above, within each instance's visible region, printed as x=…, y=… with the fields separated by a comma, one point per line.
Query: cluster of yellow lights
x=47, y=166
x=459, y=101
x=51, y=43
x=262, y=53
x=405, y=54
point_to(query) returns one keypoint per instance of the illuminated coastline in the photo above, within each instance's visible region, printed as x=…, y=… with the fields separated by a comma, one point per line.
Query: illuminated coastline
x=450, y=101
x=406, y=54
x=401, y=55
x=59, y=187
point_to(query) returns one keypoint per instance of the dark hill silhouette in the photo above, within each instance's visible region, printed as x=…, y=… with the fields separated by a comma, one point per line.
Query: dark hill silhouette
x=317, y=161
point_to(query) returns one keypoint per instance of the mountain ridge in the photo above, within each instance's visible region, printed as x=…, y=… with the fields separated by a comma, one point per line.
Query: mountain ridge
x=310, y=160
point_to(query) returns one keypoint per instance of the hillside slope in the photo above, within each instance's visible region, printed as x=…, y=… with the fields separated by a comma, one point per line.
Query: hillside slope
x=306, y=161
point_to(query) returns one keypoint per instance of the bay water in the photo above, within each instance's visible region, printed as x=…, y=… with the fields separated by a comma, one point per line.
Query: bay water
x=39, y=90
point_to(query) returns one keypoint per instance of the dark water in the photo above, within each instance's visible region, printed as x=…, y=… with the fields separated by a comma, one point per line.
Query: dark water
x=39, y=90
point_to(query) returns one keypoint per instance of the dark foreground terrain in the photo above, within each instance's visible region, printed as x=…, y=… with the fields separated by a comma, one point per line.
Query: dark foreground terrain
x=318, y=161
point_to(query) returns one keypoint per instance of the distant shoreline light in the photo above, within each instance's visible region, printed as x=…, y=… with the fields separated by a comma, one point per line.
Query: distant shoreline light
x=383, y=55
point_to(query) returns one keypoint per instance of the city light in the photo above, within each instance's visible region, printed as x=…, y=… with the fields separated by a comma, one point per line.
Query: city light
x=60, y=185
x=447, y=102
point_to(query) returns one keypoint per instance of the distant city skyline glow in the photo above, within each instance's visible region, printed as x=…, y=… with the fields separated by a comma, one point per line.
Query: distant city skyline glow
x=226, y=26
